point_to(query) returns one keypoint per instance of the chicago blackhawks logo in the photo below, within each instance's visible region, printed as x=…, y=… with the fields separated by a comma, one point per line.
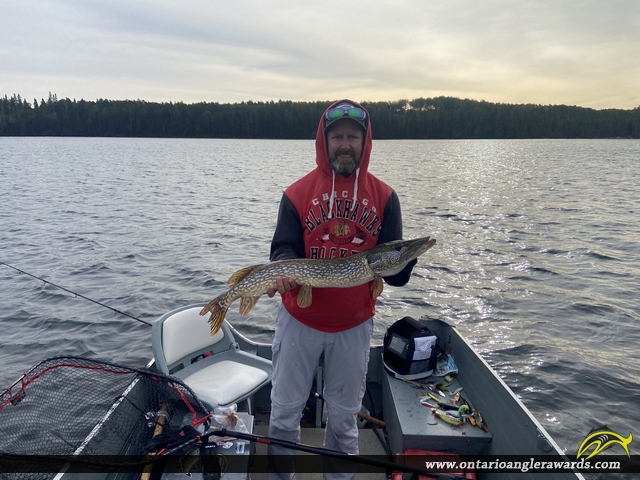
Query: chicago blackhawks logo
x=341, y=229
x=340, y=233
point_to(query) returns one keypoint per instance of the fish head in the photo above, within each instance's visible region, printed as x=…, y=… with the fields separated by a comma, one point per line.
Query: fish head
x=391, y=257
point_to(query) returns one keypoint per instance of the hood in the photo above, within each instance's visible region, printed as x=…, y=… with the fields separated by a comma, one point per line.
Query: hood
x=322, y=158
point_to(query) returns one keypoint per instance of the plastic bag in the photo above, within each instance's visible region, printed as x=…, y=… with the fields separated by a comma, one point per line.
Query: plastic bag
x=445, y=366
x=228, y=418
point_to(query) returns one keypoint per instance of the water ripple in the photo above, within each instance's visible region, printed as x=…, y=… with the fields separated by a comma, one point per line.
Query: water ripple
x=541, y=278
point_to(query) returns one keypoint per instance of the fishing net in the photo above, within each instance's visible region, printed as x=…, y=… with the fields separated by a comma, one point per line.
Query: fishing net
x=72, y=412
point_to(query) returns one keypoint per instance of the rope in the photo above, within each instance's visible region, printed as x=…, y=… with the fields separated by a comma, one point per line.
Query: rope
x=75, y=293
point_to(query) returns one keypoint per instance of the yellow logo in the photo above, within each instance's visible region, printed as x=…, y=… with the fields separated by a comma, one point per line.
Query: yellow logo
x=602, y=438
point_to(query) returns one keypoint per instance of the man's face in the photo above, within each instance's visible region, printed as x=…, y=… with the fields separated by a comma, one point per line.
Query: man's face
x=344, y=146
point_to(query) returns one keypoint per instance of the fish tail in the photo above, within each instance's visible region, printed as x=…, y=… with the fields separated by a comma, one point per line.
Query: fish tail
x=210, y=306
x=218, y=313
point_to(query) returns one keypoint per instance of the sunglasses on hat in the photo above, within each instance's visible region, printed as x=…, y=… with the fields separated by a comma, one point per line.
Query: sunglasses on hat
x=345, y=111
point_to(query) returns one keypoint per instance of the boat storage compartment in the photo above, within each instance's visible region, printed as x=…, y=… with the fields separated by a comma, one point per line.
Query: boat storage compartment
x=411, y=425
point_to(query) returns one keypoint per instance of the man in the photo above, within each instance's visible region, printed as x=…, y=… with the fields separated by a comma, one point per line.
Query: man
x=336, y=210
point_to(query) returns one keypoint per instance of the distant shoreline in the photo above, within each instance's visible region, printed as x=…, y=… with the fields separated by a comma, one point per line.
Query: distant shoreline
x=423, y=118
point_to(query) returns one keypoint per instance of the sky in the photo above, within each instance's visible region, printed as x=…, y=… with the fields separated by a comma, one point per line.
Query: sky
x=547, y=52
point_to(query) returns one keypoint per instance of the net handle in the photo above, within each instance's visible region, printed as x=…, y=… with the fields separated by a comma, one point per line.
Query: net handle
x=162, y=418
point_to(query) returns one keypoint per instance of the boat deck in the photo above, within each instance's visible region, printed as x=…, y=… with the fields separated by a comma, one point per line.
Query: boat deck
x=368, y=444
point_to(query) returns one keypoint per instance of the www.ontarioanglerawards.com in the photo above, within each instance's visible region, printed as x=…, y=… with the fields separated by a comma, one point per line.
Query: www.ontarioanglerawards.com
x=530, y=465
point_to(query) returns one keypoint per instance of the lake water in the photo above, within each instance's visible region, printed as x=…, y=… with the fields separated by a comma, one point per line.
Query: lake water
x=537, y=260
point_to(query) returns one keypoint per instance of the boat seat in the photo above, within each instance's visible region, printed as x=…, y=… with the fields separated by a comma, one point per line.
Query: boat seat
x=218, y=372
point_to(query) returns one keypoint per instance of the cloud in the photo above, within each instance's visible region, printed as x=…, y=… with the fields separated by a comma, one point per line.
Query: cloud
x=570, y=52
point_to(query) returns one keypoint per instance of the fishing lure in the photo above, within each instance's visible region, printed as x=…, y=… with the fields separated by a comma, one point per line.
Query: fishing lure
x=445, y=417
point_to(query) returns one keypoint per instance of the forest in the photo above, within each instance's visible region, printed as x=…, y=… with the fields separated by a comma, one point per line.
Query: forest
x=422, y=118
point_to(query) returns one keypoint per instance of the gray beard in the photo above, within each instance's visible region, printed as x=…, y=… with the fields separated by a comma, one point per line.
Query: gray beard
x=342, y=168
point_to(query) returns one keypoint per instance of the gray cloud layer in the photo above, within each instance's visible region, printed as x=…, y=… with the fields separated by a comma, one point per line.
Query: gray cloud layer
x=570, y=52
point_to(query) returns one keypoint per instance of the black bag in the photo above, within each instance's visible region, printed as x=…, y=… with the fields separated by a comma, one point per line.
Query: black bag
x=410, y=350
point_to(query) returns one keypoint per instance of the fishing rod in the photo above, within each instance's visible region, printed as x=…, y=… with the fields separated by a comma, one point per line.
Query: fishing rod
x=193, y=437
x=75, y=293
x=223, y=432
x=257, y=438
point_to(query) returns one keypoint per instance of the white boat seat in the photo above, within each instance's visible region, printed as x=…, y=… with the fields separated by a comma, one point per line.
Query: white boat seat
x=215, y=368
x=223, y=382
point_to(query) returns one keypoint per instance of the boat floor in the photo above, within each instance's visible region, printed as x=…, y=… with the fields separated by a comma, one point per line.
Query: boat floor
x=367, y=441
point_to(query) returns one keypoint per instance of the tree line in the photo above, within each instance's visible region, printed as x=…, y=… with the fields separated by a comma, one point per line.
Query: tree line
x=422, y=118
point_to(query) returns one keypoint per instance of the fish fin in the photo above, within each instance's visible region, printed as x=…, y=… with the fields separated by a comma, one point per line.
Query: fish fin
x=304, y=296
x=217, y=315
x=247, y=303
x=376, y=287
x=241, y=274
x=210, y=306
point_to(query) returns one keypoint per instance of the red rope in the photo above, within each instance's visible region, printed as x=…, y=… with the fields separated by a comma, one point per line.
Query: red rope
x=194, y=414
x=103, y=369
x=8, y=400
x=26, y=380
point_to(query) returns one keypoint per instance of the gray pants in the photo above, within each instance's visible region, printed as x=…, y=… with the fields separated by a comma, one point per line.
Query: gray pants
x=296, y=353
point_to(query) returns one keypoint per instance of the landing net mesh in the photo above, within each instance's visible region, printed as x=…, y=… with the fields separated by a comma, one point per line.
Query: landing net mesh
x=82, y=409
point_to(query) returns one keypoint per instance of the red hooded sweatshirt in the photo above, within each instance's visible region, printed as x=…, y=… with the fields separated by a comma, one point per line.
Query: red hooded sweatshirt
x=312, y=223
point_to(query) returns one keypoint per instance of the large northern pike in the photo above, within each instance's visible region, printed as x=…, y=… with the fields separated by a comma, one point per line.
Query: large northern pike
x=248, y=284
